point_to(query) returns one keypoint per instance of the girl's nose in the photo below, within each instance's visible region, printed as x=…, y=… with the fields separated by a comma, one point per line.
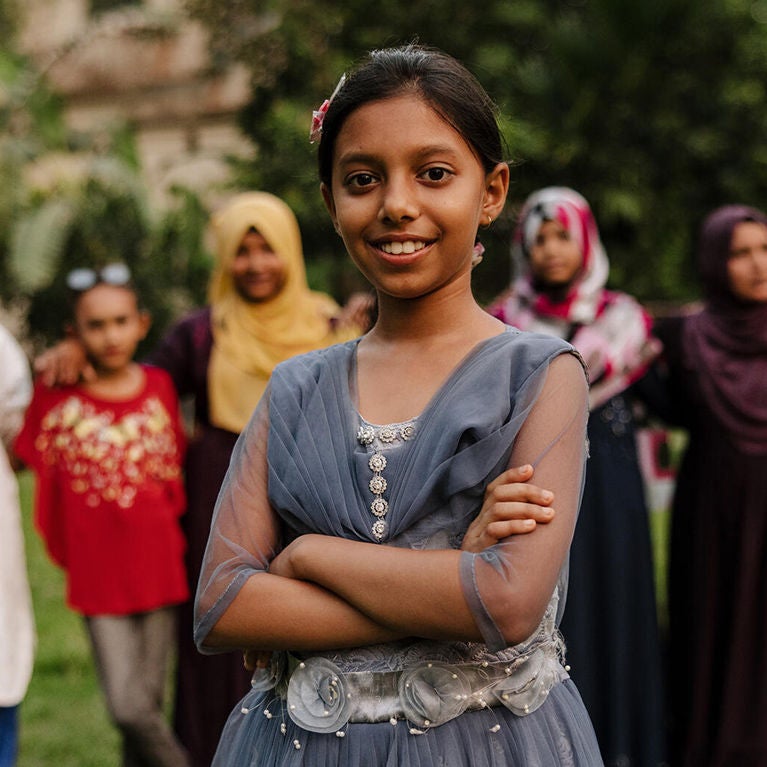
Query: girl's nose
x=398, y=203
x=759, y=261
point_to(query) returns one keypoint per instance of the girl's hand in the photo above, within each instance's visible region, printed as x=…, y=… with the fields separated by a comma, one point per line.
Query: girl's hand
x=64, y=364
x=253, y=659
x=511, y=507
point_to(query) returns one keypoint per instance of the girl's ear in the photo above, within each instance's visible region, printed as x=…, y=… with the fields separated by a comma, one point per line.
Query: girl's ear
x=496, y=188
x=145, y=322
x=330, y=204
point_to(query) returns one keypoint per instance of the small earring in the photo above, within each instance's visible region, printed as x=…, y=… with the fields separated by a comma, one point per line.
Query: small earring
x=489, y=221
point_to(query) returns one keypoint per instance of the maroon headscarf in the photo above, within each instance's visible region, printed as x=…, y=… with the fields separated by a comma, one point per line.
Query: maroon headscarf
x=726, y=343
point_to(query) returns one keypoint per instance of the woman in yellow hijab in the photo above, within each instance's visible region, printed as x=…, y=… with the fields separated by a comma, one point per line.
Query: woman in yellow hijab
x=263, y=311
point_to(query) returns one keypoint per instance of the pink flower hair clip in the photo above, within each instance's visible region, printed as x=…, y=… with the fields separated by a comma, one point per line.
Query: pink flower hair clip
x=318, y=115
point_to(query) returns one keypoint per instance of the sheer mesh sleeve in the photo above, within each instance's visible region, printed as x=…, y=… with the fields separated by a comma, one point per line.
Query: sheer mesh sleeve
x=509, y=585
x=245, y=532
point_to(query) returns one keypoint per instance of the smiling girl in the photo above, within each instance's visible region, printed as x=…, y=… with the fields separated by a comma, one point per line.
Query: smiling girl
x=350, y=536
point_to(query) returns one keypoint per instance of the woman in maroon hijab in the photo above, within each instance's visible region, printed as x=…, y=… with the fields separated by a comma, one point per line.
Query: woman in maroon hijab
x=716, y=374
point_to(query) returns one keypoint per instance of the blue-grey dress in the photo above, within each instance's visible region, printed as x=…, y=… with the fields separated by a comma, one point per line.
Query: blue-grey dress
x=416, y=484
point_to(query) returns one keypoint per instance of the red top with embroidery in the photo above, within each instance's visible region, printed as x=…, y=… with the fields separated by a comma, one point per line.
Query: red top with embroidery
x=109, y=493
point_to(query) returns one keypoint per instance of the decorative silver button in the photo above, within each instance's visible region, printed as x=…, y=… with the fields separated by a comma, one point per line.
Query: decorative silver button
x=387, y=434
x=379, y=507
x=377, y=485
x=379, y=529
x=377, y=462
x=366, y=435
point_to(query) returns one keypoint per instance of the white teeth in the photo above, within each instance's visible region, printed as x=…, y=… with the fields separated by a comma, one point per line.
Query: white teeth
x=397, y=248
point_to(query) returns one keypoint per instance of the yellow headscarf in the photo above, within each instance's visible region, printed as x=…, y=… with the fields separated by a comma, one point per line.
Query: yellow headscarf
x=249, y=339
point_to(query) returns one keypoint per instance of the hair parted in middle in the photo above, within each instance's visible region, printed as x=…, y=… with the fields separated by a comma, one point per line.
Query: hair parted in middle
x=442, y=81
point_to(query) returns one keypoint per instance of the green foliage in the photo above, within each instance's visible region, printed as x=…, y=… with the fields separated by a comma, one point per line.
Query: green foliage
x=102, y=218
x=93, y=211
x=653, y=110
x=8, y=13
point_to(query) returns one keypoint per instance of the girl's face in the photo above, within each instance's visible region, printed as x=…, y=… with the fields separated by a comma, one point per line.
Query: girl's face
x=408, y=195
x=110, y=325
x=257, y=271
x=747, y=262
x=555, y=257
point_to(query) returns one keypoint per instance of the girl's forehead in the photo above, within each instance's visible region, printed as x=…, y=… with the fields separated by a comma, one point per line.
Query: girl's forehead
x=101, y=299
x=403, y=123
x=401, y=116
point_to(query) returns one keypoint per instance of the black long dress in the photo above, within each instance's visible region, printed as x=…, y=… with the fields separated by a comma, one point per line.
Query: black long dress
x=610, y=622
x=717, y=583
x=206, y=686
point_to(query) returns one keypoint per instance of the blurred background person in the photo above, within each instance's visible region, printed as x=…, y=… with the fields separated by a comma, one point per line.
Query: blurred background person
x=610, y=622
x=17, y=629
x=107, y=455
x=261, y=311
x=712, y=380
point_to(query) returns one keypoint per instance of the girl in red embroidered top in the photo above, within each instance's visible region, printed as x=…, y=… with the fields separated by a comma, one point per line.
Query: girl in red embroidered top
x=107, y=455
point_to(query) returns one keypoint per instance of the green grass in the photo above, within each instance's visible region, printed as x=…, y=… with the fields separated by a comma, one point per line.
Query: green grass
x=63, y=718
x=659, y=534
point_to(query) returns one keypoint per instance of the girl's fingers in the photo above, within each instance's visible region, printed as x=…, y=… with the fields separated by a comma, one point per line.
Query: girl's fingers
x=500, y=530
x=511, y=476
x=253, y=659
x=520, y=492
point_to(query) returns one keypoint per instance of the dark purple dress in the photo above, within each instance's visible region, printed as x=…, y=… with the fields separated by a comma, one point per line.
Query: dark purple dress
x=207, y=687
x=717, y=585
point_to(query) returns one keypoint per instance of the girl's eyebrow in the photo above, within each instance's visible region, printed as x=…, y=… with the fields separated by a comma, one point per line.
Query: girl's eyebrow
x=421, y=155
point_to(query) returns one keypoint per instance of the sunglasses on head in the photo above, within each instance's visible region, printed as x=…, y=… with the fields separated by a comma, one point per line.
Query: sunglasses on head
x=84, y=278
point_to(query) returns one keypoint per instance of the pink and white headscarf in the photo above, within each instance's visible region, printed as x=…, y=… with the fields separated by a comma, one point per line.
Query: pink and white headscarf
x=610, y=329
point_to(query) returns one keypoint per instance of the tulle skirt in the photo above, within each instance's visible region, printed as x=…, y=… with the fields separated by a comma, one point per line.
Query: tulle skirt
x=259, y=733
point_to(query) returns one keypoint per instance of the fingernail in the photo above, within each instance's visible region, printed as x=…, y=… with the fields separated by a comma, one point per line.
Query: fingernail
x=547, y=495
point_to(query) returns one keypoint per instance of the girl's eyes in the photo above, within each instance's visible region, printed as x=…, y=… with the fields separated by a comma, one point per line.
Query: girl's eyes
x=563, y=236
x=360, y=180
x=435, y=174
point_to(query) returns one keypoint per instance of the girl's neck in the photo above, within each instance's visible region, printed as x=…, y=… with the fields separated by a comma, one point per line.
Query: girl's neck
x=411, y=351
x=122, y=384
x=430, y=318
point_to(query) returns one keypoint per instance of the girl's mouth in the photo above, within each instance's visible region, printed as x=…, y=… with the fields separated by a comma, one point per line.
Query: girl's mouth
x=398, y=248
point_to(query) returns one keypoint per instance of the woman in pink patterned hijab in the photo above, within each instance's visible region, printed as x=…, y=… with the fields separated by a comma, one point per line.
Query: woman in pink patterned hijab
x=610, y=329
x=609, y=624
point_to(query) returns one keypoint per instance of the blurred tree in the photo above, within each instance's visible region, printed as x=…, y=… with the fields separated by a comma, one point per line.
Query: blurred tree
x=652, y=110
x=29, y=125
x=99, y=217
x=67, y=201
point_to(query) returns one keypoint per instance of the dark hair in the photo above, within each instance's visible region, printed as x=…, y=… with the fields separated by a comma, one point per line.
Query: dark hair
x=442, y=81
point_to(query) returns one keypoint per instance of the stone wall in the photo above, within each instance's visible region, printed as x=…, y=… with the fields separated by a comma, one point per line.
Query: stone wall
x=145, y=64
